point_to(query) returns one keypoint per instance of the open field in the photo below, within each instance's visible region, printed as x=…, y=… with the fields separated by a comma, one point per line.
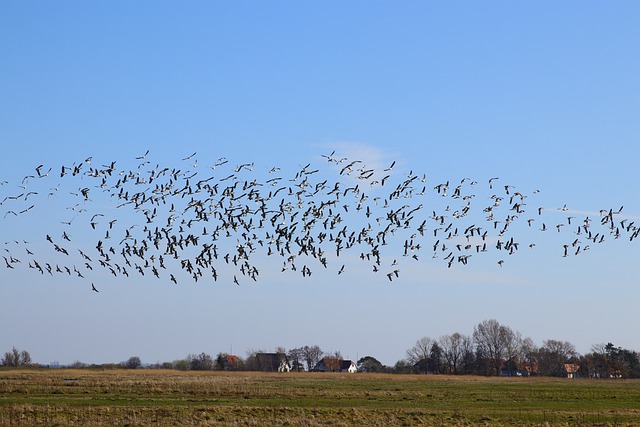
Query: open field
x=155, y=397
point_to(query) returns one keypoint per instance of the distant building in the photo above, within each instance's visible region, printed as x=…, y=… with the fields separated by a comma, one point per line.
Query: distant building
x=529, y=368
x=272, y=362
x=520, y=369
x=335, y=364
x=231, y=362
x=571, y=369
x=348, y=366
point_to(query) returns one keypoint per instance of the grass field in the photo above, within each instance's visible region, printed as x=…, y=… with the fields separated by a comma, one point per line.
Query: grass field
x=160, y=398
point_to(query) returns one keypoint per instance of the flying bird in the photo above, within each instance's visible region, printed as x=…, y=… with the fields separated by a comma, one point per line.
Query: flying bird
x=200, y=222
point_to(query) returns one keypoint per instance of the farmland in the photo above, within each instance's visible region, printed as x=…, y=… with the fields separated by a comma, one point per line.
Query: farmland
x=166, y=397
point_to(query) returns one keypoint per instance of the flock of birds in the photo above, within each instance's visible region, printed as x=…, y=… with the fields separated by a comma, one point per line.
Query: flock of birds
x=213, y=221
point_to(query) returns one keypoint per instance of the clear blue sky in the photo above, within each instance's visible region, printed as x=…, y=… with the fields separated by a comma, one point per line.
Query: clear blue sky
x=544, y=95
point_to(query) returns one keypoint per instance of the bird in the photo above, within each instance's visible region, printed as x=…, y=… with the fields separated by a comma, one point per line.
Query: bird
x=197, y=221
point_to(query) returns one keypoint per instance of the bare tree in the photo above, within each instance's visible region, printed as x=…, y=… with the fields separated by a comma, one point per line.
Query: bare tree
x=200, y=362
x=599, y=348
x=467, y=363
x=453, y=349
x=513, y=347
x=16, y=358
x=25, y=358
x=529, y=355
x=419, y=354
x=553, y=355
x=296, y=359
x=133, y=362
x=311, y=355
x=492, y=340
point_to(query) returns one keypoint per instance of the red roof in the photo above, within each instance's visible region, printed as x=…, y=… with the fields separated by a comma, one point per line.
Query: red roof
x=232, y=360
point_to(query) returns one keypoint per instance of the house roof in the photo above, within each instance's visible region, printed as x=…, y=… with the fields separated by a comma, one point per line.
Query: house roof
x=232, y=359
x=571, y=368
x=530, y=366
x=346, y=364
x=334, y=363
x=270, y=361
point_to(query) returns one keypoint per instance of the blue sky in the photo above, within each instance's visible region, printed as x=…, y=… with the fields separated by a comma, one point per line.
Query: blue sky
x=543, y=95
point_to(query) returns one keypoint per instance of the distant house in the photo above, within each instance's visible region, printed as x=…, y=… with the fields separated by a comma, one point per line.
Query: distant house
x=529, y=368
x=272, y=362
x=348, y=366
x=571, y=369
x=328, y=364
x=335, y=364
x=520, y=369
x=509, y=368
x=231, y=362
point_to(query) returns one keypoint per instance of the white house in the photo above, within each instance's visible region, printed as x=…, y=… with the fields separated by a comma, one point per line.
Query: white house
x=273, y=362
x=348, y=366
x=333, y=364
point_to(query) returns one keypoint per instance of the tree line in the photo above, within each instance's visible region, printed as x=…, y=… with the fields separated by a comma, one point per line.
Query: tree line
x=492, y=349
x=496, y=349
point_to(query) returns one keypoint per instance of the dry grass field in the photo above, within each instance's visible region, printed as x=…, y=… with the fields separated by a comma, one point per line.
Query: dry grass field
x=163, y=398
